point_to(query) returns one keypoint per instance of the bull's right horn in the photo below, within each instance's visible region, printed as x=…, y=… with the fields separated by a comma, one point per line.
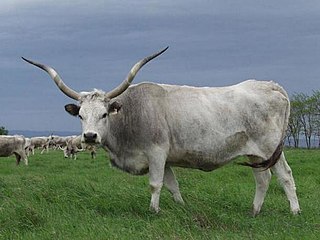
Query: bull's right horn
x=56, y=78
x=134, y=70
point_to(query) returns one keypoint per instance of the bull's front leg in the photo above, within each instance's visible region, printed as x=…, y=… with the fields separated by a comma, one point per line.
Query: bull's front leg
x=156, y=172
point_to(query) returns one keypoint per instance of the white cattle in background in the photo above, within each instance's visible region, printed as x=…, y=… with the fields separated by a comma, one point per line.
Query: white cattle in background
x=10, y=145
x=75, y=145
x=41, y=143
x=59, y=141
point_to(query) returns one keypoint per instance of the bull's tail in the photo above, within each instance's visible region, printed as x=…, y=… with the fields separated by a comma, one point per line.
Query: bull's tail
x=269, y=162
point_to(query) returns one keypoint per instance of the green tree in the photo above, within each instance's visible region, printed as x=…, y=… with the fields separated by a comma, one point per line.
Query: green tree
x=316, y=108
x=3, y=131
x=304, y=118
x=307, y=118
x=294, y=126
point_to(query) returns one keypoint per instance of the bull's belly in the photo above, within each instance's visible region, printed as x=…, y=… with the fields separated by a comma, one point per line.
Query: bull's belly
x=206, y=166
x=207, y=157
x=204, y=162
x=137, y=162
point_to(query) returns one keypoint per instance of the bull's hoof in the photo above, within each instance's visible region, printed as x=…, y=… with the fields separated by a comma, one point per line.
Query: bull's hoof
x=296, y=211
x=154, y=209
x=255, y=211
x=178, y=199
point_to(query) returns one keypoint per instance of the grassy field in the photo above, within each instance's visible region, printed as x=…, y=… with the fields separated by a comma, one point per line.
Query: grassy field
x=57, y=198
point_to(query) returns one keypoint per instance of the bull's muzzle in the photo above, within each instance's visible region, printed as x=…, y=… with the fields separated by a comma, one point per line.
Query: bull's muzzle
x=90, y=137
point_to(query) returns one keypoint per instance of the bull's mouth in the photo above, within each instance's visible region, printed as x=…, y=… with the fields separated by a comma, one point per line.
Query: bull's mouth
x=91, y=142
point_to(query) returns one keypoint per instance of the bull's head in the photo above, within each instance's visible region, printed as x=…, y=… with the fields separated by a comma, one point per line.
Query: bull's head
x=97, y=106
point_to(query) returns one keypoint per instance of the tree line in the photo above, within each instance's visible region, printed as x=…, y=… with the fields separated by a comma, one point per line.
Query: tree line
x=304, y=122
x=3, y=131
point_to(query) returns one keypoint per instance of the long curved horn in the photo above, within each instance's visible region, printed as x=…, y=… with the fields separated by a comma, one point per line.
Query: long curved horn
x=134, y=70
x=56, y=78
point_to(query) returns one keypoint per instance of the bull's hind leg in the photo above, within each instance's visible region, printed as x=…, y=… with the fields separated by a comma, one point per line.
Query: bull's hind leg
x=262, y=179
x=171, y=183
x=284, y=174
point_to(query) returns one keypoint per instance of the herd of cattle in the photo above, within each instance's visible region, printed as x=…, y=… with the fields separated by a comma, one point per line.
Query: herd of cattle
x=22, y=146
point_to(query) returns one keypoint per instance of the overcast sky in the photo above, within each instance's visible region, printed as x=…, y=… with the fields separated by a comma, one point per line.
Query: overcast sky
x=93, y=44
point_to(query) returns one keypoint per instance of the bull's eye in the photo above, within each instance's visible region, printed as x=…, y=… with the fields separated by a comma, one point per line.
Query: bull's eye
x=104, y=115
x=80, y=117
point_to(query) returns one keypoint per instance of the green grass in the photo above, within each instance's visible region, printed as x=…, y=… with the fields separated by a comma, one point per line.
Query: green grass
x=57, y=198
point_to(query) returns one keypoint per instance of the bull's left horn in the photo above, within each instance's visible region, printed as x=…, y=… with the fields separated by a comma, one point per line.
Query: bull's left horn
x=56, y=78
x=134, y=70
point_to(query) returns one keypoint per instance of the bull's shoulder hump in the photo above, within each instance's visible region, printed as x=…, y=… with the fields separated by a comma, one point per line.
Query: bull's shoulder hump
x=146, y=87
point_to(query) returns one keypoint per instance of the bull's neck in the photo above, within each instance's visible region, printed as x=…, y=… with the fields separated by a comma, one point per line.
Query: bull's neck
x=109, y=142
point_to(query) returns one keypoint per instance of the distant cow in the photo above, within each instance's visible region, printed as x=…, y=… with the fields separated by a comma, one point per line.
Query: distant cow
x=59, y=141
x=38, y=142
x=152, y=127
x=10, y=145
x=74, y=145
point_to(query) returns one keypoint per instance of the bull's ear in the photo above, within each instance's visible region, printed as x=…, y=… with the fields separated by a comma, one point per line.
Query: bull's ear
x=72, y=109
x=114, y=107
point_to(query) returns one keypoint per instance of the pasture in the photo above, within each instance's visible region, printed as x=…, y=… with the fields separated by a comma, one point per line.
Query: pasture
x=57, y=198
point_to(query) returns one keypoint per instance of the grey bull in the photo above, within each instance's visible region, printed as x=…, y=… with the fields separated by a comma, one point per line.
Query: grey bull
x=10, y=145
x=150, y=127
